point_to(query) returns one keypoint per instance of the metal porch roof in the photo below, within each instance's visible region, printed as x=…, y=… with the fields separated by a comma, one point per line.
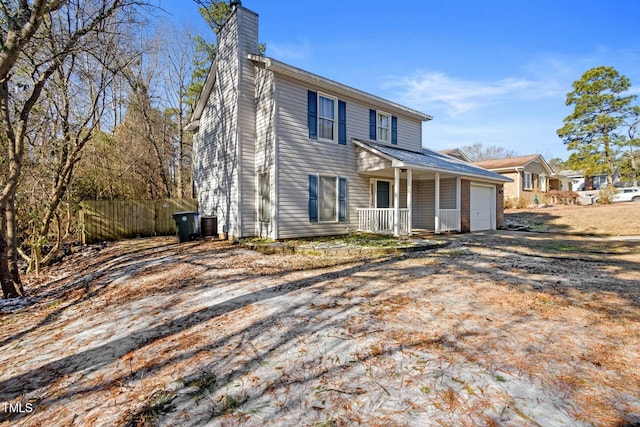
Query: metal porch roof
x=430, y=160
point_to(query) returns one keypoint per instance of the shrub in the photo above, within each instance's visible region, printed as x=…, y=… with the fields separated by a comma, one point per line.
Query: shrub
x=605, y=195
x=513, y=203
x=556, y=197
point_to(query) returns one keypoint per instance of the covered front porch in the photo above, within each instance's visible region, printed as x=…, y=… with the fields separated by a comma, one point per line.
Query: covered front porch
x=411, y=190
x=404, y=202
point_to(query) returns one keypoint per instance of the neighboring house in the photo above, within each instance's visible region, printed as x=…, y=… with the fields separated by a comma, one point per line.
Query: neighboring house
x=580, y=182
x=280, y=153
x=529, y=174
x=456, y=153
x=560, y=182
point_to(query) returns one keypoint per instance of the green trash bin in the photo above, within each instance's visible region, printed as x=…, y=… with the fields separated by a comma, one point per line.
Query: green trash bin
x=186, y=225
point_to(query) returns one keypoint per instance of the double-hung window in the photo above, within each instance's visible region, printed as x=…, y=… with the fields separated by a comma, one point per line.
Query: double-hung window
x=527, y=182
x=384, y=127
x=326, y=117
x=327, y=198
x=264, y=199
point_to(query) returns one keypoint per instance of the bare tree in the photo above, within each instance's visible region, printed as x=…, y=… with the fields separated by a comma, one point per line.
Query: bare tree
x=178, y=55
x=72, y=108
x=26, y=67
x=479, y=152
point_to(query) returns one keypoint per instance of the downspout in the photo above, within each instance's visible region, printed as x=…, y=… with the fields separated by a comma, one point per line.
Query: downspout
x=437, y=204
x=409, y=200
x=396, y=202
x=276, y=162
x=519, y=183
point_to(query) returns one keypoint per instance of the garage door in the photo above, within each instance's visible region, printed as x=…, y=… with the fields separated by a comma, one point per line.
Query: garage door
x=481, y=205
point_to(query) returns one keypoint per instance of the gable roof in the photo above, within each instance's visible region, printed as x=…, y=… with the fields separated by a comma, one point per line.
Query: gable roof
x=429, y=160
x=333, y=86
x=307, y=77
x=301, y=75
x=457, y=153
x=511, y=163
x=203, y=98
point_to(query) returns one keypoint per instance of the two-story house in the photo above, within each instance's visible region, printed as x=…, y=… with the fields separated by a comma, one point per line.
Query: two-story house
x=280, y=152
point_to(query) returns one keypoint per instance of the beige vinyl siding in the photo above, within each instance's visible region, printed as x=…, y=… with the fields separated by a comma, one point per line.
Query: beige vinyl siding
x=224, y=146
x=368, y=163
x=299, y=157
x=447, y=193
x=424, y=204
x=215, y=144
x=265, y=144
x=247, y=43
x=409, y=134
x=424, y=201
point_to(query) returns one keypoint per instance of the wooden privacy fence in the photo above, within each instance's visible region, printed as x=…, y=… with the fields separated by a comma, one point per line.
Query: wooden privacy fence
x=120, y=219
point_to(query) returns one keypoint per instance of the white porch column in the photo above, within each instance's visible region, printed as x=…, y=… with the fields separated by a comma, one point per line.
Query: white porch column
x=437, y=203
x=396, y=202
x=458, y=193
x=409, y=200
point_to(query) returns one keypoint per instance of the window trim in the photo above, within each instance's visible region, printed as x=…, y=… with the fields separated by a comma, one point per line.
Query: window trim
x=336, y=201
x=526, y=174
x=373, y=193
x=379, y=127
x=334, y=120
x=542, y=183
x=264, y=209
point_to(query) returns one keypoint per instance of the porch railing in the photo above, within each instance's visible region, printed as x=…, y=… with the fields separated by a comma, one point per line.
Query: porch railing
x=381, y=220
x=449, y=220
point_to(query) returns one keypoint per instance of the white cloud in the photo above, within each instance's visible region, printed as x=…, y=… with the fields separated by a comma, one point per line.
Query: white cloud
x=290, y=52
x=436, y=90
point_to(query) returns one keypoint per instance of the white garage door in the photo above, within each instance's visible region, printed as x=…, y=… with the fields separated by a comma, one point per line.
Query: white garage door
x=481, y=205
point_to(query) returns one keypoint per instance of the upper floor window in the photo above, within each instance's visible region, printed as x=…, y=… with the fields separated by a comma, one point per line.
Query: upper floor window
x=527, y=182
x=384, y=127
x=326, y=117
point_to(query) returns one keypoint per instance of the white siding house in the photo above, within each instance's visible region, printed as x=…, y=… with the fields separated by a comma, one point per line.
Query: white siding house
x=280, y=152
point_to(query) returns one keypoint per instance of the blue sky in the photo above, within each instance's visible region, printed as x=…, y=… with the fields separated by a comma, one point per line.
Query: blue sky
x=490, y=72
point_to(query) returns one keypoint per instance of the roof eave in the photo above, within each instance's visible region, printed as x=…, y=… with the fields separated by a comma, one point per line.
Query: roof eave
x=302, y=75
x=194, y=120
x=397, y=163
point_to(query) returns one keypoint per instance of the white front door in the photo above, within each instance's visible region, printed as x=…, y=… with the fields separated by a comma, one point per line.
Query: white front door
x=482, y=203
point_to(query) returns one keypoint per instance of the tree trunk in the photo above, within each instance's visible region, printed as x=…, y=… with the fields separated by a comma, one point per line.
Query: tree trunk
x=609, y=161
x=9, y=273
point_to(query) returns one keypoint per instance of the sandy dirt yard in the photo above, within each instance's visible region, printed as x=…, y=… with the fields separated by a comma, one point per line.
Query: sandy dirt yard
x=497, y=328
x=616, y=219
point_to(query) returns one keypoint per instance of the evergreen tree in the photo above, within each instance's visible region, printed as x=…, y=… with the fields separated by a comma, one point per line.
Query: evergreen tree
x=592, y=132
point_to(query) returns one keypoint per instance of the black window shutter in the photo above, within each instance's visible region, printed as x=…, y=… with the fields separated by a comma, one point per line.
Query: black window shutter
x=372, y=125
x=342, y=122
x=313, y=198
x=394, y=130
x=342, y=199
x=312, y=116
